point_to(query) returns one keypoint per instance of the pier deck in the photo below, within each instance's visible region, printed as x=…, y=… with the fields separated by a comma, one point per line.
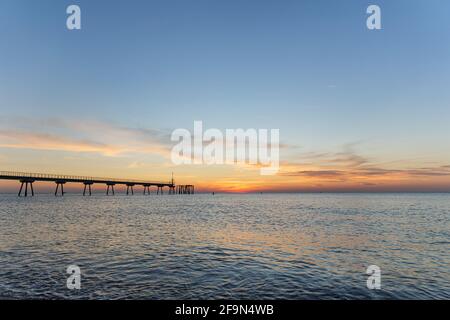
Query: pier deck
x=27, y=179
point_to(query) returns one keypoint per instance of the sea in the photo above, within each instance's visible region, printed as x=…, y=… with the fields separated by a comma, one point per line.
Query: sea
x=226, y=246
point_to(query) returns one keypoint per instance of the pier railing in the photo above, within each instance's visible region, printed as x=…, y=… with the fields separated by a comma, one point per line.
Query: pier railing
x=53, y=177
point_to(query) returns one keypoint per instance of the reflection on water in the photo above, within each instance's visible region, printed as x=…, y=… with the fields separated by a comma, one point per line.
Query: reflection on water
x=296, y=246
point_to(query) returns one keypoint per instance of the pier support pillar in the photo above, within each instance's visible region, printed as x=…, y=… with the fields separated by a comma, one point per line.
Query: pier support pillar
x=160, y=189
x=87, y=185
x=112, y=188
x=146, y=189
x=130, y=186
x=26, y=183
x=60, y=183
x=183, y=189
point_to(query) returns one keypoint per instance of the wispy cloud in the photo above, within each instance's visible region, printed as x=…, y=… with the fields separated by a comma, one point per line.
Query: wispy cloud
x=42, y=141
x=86, y=136
x=370, y=172
x=347, y=165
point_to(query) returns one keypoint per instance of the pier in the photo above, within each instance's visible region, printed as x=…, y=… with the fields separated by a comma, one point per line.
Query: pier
x=27, y=180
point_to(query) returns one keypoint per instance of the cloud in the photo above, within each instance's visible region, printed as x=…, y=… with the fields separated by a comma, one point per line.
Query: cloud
x=347, y=165
x=368, y=172
x=41, y=141
x=316, y=173
x=97, y=137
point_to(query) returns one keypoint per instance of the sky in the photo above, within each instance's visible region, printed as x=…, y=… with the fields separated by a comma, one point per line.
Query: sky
x=357, y=109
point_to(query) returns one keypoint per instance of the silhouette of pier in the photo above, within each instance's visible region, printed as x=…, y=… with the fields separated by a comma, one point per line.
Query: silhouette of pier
x=27, y=180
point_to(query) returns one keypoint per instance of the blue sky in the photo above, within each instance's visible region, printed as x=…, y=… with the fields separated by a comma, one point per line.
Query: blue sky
x=310, y=68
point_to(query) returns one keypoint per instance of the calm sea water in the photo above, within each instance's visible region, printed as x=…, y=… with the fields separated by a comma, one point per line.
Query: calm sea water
x=280, y=246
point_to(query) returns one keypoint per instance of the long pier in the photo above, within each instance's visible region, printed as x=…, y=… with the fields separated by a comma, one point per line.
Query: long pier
x=27, y=180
